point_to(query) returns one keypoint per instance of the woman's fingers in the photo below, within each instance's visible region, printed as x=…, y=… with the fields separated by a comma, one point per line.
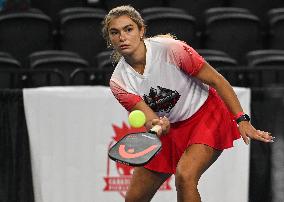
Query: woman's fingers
x=163, y=122
x=260, y=136
x=245, y=139
x=265, y=136
x=249, y=132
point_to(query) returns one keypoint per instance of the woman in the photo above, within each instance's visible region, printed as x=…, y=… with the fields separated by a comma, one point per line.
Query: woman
x=176, y=89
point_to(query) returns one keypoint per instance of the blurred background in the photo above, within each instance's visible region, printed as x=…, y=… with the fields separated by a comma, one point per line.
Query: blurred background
x=59, y=43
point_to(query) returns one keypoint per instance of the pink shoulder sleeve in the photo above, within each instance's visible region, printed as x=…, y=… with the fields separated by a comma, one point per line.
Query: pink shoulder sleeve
x=126, y=99
x=186, y=58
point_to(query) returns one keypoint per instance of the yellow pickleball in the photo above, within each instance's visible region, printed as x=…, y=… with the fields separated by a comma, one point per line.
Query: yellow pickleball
x=136, y=119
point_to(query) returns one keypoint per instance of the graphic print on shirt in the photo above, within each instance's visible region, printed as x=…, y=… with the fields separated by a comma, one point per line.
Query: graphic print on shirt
x=161, y=99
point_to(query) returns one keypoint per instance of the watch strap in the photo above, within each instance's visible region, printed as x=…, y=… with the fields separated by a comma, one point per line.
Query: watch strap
x=243, y=117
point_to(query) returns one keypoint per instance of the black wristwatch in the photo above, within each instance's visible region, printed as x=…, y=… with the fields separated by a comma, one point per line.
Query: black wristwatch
x=243, y=117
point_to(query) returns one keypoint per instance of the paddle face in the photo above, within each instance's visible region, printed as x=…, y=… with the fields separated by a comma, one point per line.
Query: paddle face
x=136, y=149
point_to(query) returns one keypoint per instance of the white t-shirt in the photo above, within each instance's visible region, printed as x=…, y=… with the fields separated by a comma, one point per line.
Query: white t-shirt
x=167, y=85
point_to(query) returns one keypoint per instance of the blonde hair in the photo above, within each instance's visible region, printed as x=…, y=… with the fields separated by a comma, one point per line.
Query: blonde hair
x=126, y=10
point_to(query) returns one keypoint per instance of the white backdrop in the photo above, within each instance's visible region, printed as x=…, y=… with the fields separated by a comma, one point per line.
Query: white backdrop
x=70, y=131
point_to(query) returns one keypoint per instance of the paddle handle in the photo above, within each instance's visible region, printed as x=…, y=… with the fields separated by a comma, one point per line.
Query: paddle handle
x=156, y=128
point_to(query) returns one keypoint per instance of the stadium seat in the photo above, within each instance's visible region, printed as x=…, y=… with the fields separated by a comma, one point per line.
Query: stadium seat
x=81, y=33
x=258, y=8
x=224, y=10
x=217, y=58
x=196, y=8
x=269, y=65
x=154, y=10
x=276, y=28
x=65, y=62
x=220, y=61
x=137, y=4
x=105, y=61
x=233, y=33
x=4, y=54
x=211, y=52
x=104, y=55
x=78, y=10
x=52, y=7
x=9, y=71
x=51, y=54
x=22, y=33
x=175, y=24
x=42, y=77
x=275, y=12
x=254, y=56
x=90, y=76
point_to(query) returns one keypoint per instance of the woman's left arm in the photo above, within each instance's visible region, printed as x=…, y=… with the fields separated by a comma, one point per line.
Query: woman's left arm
x=208, y=75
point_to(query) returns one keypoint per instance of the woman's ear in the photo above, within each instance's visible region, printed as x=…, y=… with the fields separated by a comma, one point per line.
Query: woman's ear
x=142, y=32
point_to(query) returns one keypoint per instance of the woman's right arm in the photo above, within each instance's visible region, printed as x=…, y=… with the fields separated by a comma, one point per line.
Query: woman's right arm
x=132, y=102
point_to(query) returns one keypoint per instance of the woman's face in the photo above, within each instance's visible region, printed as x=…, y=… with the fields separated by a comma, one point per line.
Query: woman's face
x=125, y=35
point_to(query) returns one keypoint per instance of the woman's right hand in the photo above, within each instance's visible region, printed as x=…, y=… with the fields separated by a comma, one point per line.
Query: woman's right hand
x=163, y=122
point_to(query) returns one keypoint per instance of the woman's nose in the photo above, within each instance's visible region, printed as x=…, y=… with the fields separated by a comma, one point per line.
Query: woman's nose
x=122, y=37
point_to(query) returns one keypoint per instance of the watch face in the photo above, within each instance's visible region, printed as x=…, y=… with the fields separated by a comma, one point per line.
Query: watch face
x=247, y=117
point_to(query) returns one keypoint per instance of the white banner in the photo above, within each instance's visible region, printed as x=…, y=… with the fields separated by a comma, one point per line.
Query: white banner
x=71, y=130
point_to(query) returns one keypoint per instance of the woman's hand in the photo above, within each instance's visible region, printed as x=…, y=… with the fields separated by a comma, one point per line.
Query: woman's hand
x=163, y=122
x=248, y=131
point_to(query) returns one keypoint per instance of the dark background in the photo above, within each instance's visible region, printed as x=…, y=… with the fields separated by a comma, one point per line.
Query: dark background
x=78, y=56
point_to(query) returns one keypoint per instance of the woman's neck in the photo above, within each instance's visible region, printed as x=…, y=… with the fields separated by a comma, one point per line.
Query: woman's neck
x=137, y=60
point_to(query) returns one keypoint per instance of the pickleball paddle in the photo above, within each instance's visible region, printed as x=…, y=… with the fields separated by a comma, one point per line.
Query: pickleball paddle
x=136, y=149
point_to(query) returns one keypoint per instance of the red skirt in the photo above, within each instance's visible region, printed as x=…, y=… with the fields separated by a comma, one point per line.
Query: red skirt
x=211, y=125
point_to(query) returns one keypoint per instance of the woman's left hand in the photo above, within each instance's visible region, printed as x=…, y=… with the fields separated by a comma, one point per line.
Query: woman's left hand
x=248, y=131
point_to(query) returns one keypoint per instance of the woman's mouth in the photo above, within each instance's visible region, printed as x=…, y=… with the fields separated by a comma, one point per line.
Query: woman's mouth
x=122, y=47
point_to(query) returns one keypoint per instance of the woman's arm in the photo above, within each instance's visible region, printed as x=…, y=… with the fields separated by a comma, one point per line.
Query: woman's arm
x=210, y=76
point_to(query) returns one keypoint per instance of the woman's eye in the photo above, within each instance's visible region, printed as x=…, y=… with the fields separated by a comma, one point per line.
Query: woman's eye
x=129, y=29
x=113, y=33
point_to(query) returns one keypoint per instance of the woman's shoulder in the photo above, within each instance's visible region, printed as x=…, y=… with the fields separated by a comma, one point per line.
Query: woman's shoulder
x=120, y=66
x=162, y=40
x=166, y=41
